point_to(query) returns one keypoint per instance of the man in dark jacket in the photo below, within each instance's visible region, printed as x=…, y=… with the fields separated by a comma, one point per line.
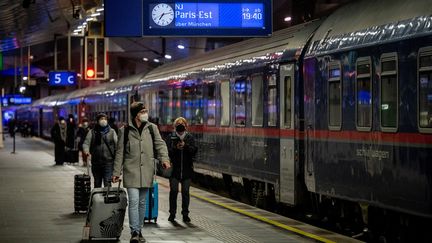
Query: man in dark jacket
x=182, y=151
x=58, y=135
x=101, y=143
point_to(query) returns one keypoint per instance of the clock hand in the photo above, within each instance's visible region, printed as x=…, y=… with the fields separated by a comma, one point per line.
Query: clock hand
x=161, y=16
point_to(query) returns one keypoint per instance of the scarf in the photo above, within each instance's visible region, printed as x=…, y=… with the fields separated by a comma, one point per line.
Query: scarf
x=181, y=136
x=100, y=131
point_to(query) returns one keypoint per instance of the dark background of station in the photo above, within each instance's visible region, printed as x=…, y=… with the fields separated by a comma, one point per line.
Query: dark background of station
x=37, y=23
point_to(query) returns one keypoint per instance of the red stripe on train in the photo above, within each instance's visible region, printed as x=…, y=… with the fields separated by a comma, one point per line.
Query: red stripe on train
x=417, y=138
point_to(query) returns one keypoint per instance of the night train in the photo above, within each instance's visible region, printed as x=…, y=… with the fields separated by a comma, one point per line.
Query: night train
x=333, y=115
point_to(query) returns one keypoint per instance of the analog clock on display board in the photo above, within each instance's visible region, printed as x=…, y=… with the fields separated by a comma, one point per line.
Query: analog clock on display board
x=162, y=14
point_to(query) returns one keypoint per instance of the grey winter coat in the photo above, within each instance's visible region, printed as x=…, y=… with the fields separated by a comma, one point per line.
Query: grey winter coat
x=138, y=162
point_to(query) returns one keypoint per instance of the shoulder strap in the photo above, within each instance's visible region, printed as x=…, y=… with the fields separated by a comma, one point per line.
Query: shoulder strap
x=152, y=136
x=109, y=149
x=125, y=138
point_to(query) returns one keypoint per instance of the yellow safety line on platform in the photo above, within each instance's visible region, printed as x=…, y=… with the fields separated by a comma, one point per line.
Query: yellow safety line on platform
x=264, y=219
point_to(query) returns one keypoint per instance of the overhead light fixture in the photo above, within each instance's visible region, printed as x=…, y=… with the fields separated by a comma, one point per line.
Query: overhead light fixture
x=156, y=60
x=95, y=14
x=24, y=78
x=287, y=19
x=99, y=10
x=112, y=80
x=167, y=56
x=180, y=46
x=145, y=59
x=22, y=89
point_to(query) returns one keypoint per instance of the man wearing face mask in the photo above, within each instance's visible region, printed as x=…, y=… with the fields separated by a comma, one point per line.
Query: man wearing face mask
x=182, y=151
x=101, y=143
x=135, y=158
x=83, y=129
x=58, y=135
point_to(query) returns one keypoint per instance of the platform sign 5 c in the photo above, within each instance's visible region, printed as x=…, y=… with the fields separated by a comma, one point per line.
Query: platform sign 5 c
x=62, y=78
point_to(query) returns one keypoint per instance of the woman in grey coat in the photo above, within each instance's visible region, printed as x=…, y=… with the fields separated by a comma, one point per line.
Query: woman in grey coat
x=135, y=158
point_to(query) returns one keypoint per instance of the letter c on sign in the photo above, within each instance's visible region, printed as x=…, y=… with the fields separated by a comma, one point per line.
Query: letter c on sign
x=57, y=78
x=71, y=79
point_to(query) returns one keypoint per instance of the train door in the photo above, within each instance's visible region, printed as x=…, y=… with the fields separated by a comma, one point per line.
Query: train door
x=286, y=124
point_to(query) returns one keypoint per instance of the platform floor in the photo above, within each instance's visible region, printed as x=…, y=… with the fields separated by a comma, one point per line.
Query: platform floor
x=36, y=205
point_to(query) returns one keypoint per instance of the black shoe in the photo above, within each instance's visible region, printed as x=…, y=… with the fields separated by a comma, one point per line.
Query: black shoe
x=134, y=238
x=186, y=219
x=141, y=237
x=171, y=218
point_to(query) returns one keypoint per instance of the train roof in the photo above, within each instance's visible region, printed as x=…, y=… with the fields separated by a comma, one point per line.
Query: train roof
x=369, y=22
x=293, y=38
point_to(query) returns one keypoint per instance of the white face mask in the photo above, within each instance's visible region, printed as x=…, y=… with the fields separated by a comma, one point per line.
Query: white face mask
x=103, y=123
x=85, y=124
x=62, y=122
x=144, y=117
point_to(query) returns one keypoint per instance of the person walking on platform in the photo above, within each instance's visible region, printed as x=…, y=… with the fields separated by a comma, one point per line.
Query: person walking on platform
x=83, y=129
x=112, y=124
x=182, y=151
x=58, y=135
x=101, y=143
x=135, y=158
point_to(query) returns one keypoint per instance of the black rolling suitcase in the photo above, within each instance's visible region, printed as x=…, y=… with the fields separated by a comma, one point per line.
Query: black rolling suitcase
x=82, y=189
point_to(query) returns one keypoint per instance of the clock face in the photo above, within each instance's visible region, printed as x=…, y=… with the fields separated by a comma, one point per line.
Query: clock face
x=162, y=14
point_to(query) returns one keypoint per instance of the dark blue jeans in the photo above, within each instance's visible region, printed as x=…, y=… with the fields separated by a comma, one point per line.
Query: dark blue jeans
x=185, y=184
x=102, y=172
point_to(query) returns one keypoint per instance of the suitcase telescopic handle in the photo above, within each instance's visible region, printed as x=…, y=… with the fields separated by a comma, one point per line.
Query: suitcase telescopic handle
x=117, y=196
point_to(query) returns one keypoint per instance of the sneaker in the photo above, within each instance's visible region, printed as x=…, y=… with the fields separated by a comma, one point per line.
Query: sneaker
x=186, y=219
x=134, y=238
x=171, y=218
x=141, y=237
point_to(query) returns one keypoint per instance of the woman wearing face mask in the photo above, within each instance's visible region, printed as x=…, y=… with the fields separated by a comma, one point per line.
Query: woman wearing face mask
x=101, y=143
x=58, y=135
x=182, y=151
x=83, y=129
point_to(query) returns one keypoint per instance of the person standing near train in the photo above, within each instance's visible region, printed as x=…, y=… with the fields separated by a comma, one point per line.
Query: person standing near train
x=59, y=134
x=101, y=143
x=82, y=132
x=182, y=151
x=135, y=158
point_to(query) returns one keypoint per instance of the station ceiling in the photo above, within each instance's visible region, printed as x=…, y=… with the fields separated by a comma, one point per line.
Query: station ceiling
x=36, y=23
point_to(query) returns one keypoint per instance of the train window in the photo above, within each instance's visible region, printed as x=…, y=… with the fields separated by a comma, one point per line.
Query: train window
x=389, y=93
x=272, y=100
x=240, y=101
x=425, y=89
x=153, y=105
x=211, y=104
x=334, y=96
x=192, y=102
x=225, y=104
x=257, y=100
x=363, y=94
x=176, y=104
x=287, y=99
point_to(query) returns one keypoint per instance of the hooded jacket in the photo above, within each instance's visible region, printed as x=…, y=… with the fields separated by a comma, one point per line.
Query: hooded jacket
x=136, y=159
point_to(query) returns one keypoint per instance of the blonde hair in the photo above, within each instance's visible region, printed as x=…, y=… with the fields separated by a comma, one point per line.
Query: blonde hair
x=180, y=120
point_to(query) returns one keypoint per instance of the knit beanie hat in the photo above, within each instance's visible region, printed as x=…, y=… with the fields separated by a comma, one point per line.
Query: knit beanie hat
x=100, y=115
x=135, y=108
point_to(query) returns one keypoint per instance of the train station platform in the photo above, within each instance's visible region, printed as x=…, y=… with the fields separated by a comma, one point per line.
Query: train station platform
x=36, y=205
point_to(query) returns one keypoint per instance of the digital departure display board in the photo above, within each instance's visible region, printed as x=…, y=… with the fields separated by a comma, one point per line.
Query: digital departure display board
x=190, y=18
